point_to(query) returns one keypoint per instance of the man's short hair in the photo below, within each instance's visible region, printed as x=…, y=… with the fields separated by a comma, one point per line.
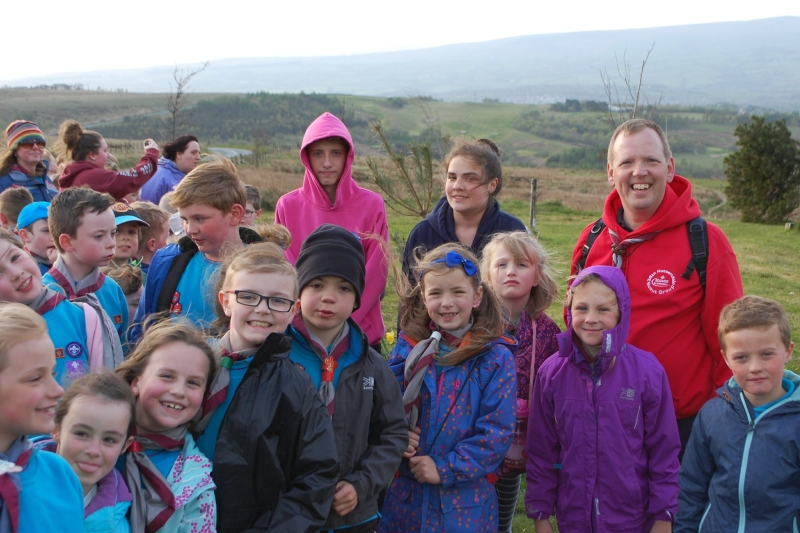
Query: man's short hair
x=69, y=207
x=12, y=201
x=753, y=312
x=253, y=196
x=215, y=184
x=635, y=125
x=153, y=215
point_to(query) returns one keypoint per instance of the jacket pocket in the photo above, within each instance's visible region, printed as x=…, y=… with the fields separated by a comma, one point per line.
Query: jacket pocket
x=469, y=509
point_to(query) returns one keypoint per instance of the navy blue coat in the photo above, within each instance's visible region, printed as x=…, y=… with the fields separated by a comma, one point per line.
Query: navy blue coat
x=439, y=228
x=742, y=473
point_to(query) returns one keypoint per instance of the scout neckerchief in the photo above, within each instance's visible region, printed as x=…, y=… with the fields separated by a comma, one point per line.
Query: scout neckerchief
x=11, y=464
x=47, y=300
x=92, y=282
x=619, y=246
x=417, y=362
x=153, y=502
x=330, y=360
x=218, y=390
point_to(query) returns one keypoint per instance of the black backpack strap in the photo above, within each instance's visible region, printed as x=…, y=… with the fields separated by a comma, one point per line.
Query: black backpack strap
x=598, y=226
x=176, y=270
x=698, y=241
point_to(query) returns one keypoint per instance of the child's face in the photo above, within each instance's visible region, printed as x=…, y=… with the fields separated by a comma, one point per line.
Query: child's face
x=250, y=214
x=133, y=301
x=170, y=390
x=250, y=326
x=20, y=278
x=466, y=188
x=756, y=356
x=207, y=227
x=594, y=310
x=326, y=303
x=127, y=241
x=91, y=436
x=512, y=279
x=39, y=240
x=95, y=240
x=159, y=241
x=327, y=159
x=449, y=297
x=28, y=391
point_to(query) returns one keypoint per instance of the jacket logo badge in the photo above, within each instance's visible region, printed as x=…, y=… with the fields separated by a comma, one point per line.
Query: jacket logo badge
x=661, y=281
x=369, y=383
x=627, y=394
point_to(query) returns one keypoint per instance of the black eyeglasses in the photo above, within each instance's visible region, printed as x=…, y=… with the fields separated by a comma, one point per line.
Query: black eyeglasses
x=252, y=299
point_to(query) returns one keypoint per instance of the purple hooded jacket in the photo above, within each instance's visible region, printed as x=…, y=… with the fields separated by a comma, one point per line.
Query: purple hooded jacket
x=603, y=447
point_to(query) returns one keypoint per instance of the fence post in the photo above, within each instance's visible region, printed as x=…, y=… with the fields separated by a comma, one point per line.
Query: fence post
x=532, y=222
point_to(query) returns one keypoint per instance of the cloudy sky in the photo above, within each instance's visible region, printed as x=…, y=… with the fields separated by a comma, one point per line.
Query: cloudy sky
x=74, y=36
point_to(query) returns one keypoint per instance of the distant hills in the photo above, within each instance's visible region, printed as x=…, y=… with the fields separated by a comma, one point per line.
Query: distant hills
x=754, y=63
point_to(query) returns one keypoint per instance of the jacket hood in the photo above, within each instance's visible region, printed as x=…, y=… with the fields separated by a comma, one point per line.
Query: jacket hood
x=731, y=390
x=613, y=339
x=72, y=171
x=169, y=165
x=443, y=224
x=677, y=208
x=327, y=125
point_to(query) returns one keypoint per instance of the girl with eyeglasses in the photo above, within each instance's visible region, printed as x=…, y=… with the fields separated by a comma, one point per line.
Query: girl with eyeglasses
x=263, y=424
x=23, y=165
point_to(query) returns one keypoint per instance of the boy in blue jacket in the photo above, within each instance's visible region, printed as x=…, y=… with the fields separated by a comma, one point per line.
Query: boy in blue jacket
x=740, y=471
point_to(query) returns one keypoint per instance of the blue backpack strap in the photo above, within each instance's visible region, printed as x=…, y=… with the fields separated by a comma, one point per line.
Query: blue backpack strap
x=598, y=226
x=698, y=241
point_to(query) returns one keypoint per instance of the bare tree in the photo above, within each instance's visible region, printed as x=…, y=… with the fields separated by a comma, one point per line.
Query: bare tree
x=261, y=138
x=411, y=191
x=626, y=106
x=178, y=97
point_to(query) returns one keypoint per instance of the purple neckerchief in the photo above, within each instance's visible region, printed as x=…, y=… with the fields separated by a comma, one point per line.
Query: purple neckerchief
x=11, y=464
x=153, y=503
x=47, y=300
x=329, y=360
x=218, y=390
x=73, y=289
x=110, y=490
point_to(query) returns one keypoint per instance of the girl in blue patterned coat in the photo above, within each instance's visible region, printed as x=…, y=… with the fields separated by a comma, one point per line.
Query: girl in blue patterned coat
x=459, y=391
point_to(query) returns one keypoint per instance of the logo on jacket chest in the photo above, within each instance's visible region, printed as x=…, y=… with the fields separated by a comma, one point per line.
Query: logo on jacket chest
x=661, y=281
x=369, y=383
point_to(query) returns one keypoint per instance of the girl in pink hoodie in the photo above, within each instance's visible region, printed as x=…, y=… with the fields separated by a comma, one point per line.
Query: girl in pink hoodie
x=330, y=195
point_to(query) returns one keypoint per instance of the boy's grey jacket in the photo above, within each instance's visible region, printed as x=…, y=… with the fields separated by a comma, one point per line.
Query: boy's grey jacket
x=740, y=473
x=371, y=430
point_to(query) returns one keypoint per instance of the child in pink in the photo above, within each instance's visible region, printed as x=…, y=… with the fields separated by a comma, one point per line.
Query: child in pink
x=330, y=195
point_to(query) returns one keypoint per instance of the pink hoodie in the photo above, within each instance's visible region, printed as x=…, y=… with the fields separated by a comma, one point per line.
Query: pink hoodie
x=355, y=209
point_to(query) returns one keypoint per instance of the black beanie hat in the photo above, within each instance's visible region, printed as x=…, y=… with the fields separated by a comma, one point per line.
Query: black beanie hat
x=331, y=250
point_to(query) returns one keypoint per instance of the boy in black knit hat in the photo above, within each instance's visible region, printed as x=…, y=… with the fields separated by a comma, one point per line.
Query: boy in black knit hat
x=354, y=382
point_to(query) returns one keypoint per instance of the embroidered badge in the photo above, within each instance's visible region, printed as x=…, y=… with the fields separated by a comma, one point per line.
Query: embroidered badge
x=117, y=319
x=74, y=349
x=176, y=306
x=627, y=394
x=59, y=353
x=661, y=281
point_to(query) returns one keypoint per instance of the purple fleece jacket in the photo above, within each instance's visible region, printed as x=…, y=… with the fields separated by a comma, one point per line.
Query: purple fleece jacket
x=358, y=210
x=602, y=445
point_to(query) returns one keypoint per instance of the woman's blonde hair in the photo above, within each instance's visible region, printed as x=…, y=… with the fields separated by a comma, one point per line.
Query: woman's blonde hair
x=525, y=247
x=487, y=323
x=20, y=324
x=258, y=258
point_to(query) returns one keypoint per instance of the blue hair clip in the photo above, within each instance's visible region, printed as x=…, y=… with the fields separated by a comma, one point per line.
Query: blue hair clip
x=454, y=259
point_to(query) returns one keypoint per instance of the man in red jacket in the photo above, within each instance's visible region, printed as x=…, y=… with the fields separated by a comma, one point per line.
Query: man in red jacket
x=646, y=236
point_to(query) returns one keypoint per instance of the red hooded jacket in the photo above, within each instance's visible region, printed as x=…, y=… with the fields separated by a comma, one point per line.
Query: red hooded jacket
x=117, y=184
x=672, y=317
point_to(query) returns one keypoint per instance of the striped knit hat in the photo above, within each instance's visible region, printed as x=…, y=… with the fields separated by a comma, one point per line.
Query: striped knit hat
x=22, y=130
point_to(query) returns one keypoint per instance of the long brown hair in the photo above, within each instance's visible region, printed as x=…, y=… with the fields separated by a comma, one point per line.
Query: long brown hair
x=487, y=323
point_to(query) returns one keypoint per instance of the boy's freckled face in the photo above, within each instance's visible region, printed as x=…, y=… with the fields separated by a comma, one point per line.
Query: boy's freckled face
x=594, y=310
x=756, y=356
x=127, y=240
x=28, y=391
x=327, y=159
x=206, y=226
x=95, y=240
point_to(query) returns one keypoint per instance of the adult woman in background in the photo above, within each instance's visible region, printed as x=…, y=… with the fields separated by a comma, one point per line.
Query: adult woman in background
x=24, y=164
x=468, y=212
x=88, y=153
x=180, y=156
